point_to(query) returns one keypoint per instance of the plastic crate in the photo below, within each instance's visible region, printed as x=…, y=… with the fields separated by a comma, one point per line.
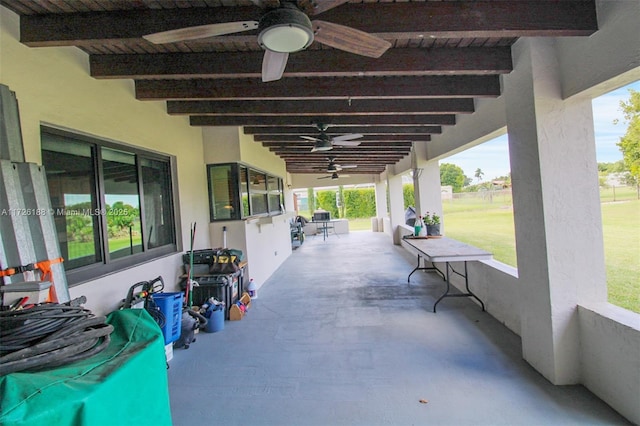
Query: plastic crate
x=170, y=304
x=207, y=289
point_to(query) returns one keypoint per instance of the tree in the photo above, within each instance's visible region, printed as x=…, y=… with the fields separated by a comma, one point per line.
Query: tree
x=340, y=201
x=311, y=200
x=450, y=174
x=479, y=173
x=630, y=143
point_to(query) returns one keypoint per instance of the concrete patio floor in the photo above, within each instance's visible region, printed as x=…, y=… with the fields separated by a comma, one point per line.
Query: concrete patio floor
x=338, y=337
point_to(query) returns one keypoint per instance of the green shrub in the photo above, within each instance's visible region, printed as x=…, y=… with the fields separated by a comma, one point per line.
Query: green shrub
x=326, y=200
x=360, y=203
x=408, y=196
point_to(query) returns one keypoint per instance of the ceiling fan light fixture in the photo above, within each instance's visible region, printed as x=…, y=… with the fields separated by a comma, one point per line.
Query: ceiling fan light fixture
x=334, y=176
x=322, y=145
x=285, y=30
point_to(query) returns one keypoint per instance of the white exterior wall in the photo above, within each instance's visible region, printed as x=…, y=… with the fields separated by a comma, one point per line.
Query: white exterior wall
x=610, y=346
x=265, y=241
x=53, y=87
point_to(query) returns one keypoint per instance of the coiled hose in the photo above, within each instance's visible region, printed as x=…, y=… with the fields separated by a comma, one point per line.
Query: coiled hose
x=50, y=335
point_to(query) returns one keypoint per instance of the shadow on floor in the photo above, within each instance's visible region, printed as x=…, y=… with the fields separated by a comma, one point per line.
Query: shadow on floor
x=338, y=337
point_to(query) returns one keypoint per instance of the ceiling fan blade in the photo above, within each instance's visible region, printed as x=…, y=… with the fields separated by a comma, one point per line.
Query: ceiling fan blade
x=349, y=39
x=320, y=149
x=309, y=138
x=273, y=65
x=325, y=177
x=346, y=143
x=314, y=7
x=349, y=166
x=201, y=31
x=348, y=137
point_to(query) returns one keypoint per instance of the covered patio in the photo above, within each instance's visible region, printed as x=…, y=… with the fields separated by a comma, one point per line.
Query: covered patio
x=337, y=331
x=338, y=337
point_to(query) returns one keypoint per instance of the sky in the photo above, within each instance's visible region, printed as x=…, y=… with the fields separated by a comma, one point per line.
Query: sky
x=492, y=157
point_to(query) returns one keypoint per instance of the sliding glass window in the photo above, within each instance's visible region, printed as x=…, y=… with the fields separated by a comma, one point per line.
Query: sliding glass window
x=113, y=206
x=237, y=192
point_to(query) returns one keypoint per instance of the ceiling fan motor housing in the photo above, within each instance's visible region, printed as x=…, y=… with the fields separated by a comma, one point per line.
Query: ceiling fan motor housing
x=285, y=30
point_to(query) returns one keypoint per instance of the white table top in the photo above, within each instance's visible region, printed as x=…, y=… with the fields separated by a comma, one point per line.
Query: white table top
x=447, y=250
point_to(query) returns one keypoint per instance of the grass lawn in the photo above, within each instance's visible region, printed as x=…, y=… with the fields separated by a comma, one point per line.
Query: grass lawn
x=621, y=231
x=77, y=250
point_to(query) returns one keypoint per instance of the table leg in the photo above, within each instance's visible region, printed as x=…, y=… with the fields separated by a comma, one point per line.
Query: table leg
x=426, y=268
x=466, y=283
x=446, y=293
x=414, y=269
x=469, y=293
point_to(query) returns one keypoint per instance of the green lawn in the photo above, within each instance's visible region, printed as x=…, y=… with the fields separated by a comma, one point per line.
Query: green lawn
x=77, y=250
x=621, y=230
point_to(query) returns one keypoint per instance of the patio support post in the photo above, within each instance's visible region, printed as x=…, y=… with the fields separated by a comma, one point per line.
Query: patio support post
x=426, y=182
x=427, y=189
x=396, y=207
x=556, y=209
x=381, y=198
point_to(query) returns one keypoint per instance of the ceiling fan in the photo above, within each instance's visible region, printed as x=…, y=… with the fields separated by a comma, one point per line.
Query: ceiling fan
x=324, y=142
x=283, y=30
x=333, y=176
x=334, y=167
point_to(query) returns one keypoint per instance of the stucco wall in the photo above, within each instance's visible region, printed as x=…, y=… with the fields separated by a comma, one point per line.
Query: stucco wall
x=610, y=346
x=266, y=242
x=53, y=87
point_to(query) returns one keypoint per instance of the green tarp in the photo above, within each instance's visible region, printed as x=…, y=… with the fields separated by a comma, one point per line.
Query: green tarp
x=126, y=384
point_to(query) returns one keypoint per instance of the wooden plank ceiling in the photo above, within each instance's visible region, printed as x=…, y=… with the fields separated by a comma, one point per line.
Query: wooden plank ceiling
x=443, y=55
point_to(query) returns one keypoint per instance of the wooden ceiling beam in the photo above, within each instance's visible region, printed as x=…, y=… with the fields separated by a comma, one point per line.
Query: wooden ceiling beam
x=339, y=130
x=309, y=63
x=426, y=19
x=346, y=151
x=326, y=107
x=345, y=120
x=348, y=156
x=365, y=138
x=323, y=162
x=460, y=86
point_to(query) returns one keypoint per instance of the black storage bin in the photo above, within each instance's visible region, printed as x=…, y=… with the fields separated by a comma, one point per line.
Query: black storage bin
x=205, y=291
x=222, y=287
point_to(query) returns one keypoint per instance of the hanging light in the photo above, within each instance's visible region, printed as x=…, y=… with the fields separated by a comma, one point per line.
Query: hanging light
x=285, y=30
x=322, y=145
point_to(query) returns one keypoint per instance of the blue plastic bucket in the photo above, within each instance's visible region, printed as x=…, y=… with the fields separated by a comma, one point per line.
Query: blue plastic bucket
x=170, y=304
x=215, y=320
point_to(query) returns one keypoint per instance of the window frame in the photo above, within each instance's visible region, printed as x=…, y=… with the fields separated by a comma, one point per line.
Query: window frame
x=240, y=188
x=106, y=265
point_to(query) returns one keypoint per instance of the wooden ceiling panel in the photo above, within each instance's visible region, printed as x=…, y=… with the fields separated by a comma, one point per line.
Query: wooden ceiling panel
x=443, y=56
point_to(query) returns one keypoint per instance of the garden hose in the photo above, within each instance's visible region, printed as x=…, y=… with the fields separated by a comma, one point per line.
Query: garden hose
x=49, y=335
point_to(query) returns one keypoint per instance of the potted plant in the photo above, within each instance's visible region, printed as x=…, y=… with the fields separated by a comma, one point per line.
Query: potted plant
x=432, y=222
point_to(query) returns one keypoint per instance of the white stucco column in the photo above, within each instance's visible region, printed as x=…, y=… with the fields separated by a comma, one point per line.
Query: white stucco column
x=427, y=190
x=426, y=186
x=396, y=207
x=556, y=208
x=381, y=199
